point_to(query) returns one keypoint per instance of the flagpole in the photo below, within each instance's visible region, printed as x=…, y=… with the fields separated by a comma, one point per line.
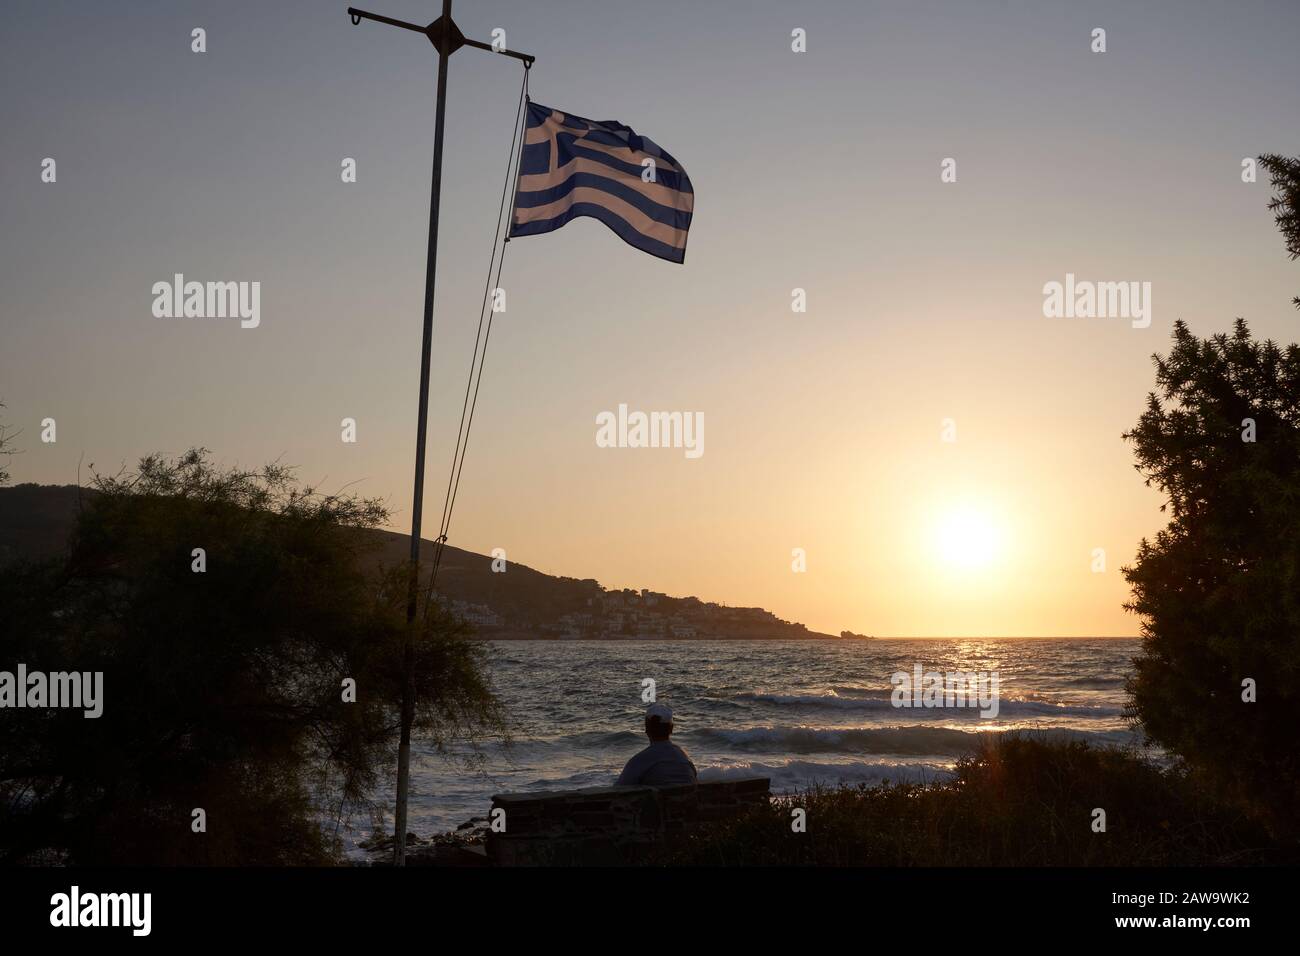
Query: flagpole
x=446, y=38
x=417, y=507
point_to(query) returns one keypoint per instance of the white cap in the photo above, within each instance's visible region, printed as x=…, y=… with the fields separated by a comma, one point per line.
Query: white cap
x=662, y=711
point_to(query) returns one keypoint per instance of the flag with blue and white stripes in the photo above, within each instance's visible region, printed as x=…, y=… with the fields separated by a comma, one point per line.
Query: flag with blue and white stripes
x=573, y=167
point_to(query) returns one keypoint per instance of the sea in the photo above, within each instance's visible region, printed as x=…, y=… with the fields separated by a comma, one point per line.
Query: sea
x=801, y=712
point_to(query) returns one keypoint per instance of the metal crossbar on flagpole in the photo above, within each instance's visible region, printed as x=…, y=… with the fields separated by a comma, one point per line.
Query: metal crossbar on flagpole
x=446, y=38
x=433, y=32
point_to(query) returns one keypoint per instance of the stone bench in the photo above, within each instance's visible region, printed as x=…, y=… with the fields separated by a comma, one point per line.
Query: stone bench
x=610, y=825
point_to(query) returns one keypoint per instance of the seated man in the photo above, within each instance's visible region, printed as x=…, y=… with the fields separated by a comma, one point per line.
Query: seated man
x=663, y=763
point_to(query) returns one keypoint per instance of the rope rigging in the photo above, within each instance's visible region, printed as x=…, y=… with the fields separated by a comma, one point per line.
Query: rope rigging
x=482, y=335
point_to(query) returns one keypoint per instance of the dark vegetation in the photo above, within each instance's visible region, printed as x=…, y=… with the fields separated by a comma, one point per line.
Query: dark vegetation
x=6, y=449
x=1016, y=802
x=1218, y=590
x=1284, y=175
x=223, y=690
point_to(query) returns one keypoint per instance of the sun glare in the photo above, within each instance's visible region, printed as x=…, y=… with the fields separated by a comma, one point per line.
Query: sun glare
x=967, y=537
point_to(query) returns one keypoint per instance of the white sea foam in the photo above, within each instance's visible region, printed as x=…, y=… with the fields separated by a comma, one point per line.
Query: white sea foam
x=789, y=775
x=913, y=739
x=835, y=701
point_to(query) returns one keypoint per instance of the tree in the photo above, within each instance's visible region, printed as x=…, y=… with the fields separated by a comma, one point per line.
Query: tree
x=1285, y=177
x=1219, y=588
x=223, y=681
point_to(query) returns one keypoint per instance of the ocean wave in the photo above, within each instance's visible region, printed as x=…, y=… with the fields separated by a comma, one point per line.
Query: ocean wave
x=589, y=777
x=588, y=739
x=882, y=702
x=832, y=699
x=909, y=740
x=856, y=690
x=1047, y=708
x=802, y=774
x=1096, y=683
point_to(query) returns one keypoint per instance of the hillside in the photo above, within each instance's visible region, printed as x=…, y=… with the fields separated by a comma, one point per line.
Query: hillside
x=522, y=603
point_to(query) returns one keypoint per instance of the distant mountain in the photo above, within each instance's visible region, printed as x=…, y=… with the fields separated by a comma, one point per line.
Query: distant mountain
x=522, y=603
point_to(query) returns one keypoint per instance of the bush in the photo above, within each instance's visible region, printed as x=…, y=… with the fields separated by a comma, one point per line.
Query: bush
x=1015, y=802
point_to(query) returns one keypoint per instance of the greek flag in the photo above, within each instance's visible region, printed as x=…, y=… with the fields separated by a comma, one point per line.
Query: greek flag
x=573, y=167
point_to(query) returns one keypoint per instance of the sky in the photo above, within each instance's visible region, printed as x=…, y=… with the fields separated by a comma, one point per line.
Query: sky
x=825, y=430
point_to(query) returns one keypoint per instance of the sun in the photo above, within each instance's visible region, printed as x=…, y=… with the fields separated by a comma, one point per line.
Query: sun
x=968, y=537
